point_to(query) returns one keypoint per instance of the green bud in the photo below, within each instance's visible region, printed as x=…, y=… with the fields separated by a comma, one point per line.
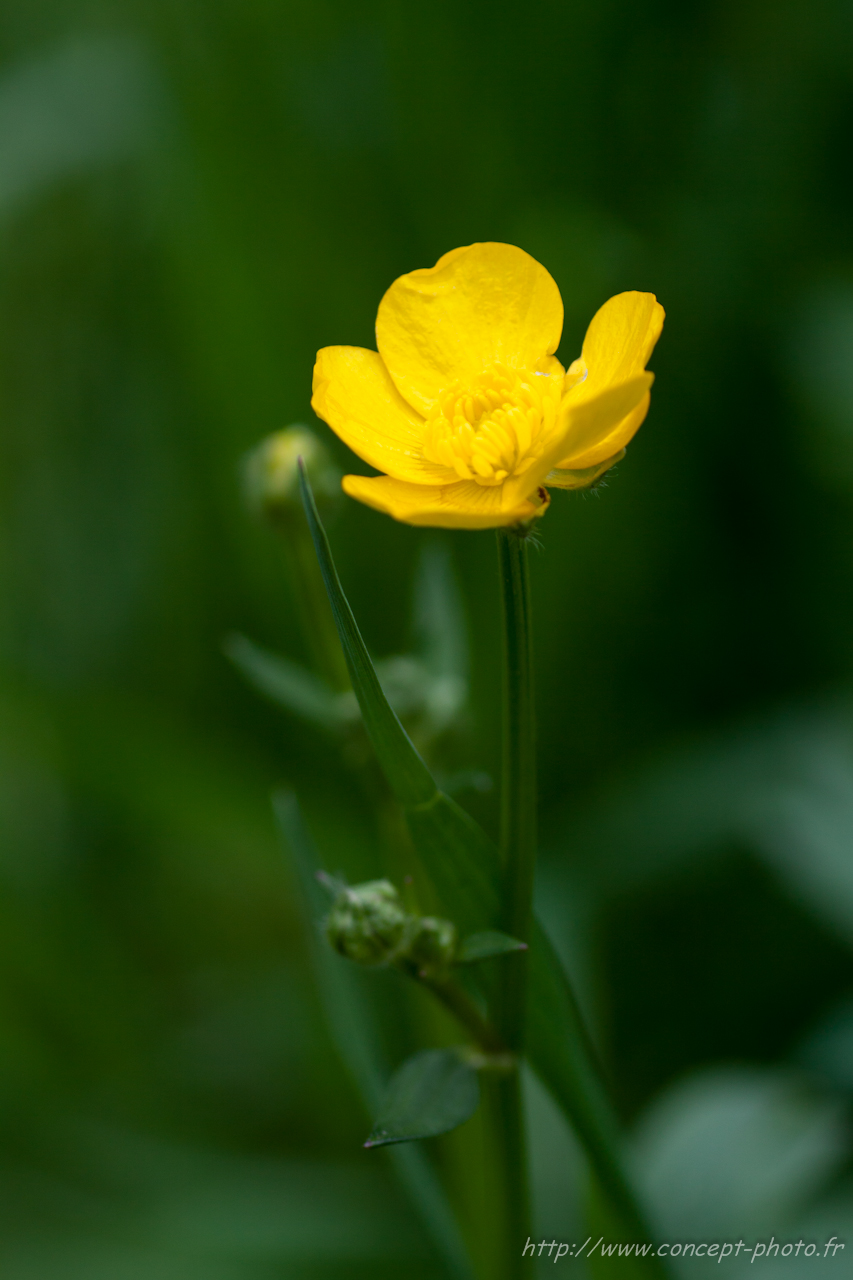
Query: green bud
x=367, y=922
x=432, y=943
x=271, y=473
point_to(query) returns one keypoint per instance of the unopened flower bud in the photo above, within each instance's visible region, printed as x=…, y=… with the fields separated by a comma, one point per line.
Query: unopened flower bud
x=271, y=472
x=367, y=922
x=432, y=943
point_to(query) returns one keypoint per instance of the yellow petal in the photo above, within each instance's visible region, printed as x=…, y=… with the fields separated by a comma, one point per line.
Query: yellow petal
x=482, y=305
x=354, y=394
x=617, y=346
x=583, y=425
x=561, y=478
x=619, y=341
x=612, y=443
x=465, y=505
x=551, y=366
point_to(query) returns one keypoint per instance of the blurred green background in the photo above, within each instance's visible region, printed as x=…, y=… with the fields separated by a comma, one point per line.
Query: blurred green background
x=196, y=196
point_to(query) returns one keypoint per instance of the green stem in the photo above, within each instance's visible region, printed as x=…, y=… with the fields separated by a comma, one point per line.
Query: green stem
x=459, y=1003
x=518, y=850
x=518, y=782
x=518, y=847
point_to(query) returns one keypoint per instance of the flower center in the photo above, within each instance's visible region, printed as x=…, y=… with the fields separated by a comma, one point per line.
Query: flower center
x=494, y=428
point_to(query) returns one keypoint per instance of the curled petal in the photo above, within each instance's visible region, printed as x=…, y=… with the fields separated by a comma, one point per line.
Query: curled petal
x=619, y=341
x=616, y=349
x=615, y=441
x=482, y=305
x=582, y=426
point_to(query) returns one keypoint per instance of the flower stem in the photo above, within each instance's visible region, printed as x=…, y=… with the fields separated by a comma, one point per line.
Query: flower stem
x=518, y=783
x=518, y=850
x=518, y=847
x=463, y=1008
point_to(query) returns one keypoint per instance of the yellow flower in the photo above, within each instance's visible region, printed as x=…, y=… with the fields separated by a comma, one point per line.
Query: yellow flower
x=466, y=409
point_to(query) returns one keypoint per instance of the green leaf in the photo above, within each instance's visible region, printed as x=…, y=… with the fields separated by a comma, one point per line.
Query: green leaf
x=456, y=853
x=636, y=1261
x=482, y=946
x=464, y=867
x=433, y=1092
x=731, y=1149
x=350, y=1023
x=291, y=686
x=564, y=1059
x=407, y=774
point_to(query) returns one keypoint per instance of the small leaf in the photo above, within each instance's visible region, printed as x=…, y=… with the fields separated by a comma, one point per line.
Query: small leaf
x=432, y=1093
x=290, y=685
x=482, y=946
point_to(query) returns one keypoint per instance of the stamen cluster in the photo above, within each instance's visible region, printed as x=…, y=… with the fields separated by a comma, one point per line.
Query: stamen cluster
x=496, y=427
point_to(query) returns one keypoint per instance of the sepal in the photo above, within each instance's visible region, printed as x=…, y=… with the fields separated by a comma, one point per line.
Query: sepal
x=482, y=946
x=583, y=479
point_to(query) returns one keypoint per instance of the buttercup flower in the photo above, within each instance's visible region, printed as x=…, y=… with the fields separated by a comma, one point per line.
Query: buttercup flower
x=466, y=409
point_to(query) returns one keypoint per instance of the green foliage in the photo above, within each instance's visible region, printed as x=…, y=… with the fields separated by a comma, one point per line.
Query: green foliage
x=463, y=866
x=431, y=1093
x=291, y=686
x=352, y=1022
x=482, y=946
x=457, y=855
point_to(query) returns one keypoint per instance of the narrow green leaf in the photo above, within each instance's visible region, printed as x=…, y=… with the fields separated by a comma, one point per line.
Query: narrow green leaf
x=459, y=859
x=433, y=1092
x=482, y=946
x=407, y=774
x=566, y=1063
x=351, y=1025
x=637, y=1261
x=291, y=686
x=457, y=855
